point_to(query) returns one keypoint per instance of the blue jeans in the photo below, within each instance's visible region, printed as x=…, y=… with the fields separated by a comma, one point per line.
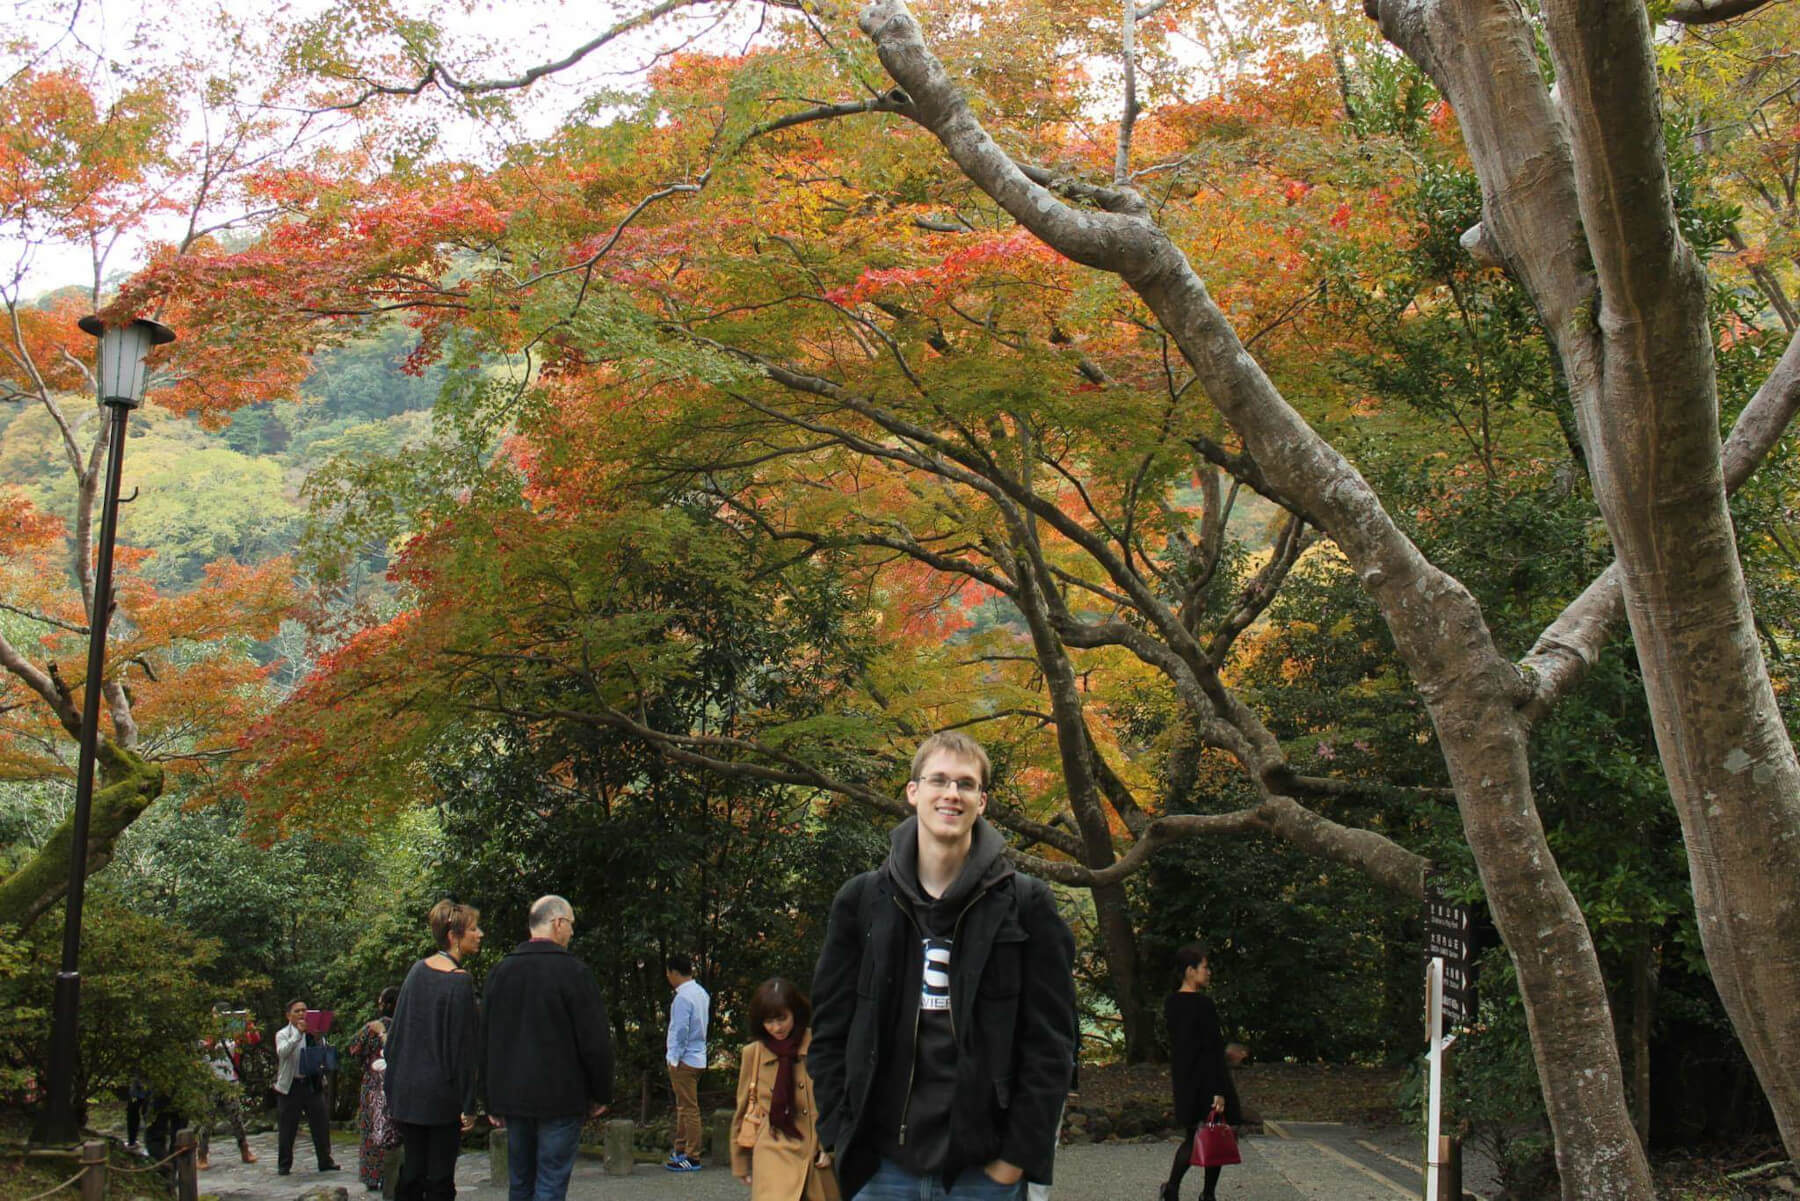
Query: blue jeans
x=894, y=1183
x=540, y=1156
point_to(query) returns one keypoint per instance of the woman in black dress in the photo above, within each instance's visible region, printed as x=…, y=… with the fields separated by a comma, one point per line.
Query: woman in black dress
x=432, y=1045
x=1197, y=1068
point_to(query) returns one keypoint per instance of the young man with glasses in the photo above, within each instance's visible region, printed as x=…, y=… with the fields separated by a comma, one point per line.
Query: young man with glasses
x=548, y=1060
x=944, y=1005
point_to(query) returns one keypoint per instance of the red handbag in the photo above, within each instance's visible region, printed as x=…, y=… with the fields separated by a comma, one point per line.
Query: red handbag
x=1215, y=1144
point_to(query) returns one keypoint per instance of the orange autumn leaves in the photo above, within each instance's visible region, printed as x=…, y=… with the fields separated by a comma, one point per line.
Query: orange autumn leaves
x=85, y=170
x=851, y=251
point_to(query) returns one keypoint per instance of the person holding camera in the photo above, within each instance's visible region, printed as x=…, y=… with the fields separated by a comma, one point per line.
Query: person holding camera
x=302, y=1060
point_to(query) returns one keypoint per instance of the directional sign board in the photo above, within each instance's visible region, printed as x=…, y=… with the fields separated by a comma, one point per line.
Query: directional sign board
x=1448, y=929
x=1459, y=993
x=1449, y=935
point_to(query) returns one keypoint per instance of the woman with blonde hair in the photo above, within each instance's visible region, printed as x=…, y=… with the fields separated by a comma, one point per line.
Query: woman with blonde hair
x=774, y=1130
x=433, y=1046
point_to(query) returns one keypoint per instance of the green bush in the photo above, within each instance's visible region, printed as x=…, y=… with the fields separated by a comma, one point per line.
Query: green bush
x=145, y=1006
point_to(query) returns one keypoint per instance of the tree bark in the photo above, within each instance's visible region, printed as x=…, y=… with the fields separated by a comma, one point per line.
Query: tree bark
x=1576, y=194
x=1472, y=692
x=1118, y=943
x=128, y=784
x=1731, y=768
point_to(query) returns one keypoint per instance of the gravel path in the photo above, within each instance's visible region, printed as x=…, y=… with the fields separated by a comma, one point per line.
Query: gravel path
x=1317, y=1162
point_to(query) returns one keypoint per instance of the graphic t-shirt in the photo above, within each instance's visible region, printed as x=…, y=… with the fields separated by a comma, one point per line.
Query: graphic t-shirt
x=934, y=980
x=915, y=1124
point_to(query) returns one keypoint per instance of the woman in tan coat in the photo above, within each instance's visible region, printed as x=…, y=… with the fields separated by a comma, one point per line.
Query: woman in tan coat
x=774, y=1132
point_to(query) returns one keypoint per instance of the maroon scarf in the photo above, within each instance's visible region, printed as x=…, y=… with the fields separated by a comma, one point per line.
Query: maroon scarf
x=781, y=1101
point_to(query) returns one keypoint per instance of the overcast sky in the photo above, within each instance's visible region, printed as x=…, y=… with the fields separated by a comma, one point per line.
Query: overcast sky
x=110, y=41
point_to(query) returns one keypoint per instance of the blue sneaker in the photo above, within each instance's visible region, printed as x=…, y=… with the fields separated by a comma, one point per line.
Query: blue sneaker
x=690, y=1165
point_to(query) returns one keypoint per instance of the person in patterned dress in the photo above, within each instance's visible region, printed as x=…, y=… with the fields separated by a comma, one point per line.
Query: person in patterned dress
x=378, y=1134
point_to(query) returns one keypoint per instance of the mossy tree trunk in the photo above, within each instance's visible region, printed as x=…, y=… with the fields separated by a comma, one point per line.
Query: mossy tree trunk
x=128, y=784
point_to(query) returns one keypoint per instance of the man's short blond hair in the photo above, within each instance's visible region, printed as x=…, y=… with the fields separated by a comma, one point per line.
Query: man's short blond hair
x=953, y=742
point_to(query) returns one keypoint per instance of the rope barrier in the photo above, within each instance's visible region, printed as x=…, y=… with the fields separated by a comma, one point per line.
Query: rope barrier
x=151, y=1167
x=59, y=1188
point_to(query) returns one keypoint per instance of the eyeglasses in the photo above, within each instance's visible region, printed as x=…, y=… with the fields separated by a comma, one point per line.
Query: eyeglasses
x=961, y=785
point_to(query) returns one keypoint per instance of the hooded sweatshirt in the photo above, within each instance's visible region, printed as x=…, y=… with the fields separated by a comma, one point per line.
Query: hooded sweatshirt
x=911, y=1097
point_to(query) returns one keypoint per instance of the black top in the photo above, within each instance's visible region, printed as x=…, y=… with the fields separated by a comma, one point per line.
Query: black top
x=1012, y=1005
x=548, y=1052
x=432, y=1048
x=912, y=1111
x=1197, y=1068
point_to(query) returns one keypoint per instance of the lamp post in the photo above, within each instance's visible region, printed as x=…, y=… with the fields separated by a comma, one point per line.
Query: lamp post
x=121, y=386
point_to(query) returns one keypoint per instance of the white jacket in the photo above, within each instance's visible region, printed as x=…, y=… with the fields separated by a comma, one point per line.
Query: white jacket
x=288, y=1042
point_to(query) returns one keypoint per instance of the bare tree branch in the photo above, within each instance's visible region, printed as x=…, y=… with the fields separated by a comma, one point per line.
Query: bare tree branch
x=437, y=74
x=1380, y=858
x=1567, y=650
x=1128, y=118
x=43, y=683
x=42, y=619
x=1710, y=12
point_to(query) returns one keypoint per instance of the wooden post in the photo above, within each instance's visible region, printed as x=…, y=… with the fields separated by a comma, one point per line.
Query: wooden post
x=619, y=1134
x=391, y=1160
x=93, y=1171
x=720, y=1150
x=187, y=1173
x=1450, y=1167
x=499, y=1173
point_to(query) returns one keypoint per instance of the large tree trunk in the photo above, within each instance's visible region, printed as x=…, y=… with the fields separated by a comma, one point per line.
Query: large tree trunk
x=128, y=784
x=1642, y=377
x=1118, y=943
x=1726, y=753
x=1576, y=200
x=1566, y=1007
x=1473, y=693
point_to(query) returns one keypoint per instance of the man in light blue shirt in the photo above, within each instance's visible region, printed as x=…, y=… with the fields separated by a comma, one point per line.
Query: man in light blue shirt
x=686, y=1058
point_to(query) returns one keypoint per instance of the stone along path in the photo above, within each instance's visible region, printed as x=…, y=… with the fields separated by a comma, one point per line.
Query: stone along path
x=1290, y=1162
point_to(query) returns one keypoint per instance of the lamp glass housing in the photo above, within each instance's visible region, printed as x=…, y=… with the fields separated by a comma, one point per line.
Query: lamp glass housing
x=123, y=349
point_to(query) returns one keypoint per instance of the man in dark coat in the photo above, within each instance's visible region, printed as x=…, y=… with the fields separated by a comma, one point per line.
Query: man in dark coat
x=548, y=1061
x=944, y=1004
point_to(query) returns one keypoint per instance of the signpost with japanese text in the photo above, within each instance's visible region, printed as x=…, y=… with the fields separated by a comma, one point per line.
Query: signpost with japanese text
x=1449, y=1002
x=1449, y=936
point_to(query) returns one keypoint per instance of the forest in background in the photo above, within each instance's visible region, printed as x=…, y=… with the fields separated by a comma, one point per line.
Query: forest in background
x=631, y=560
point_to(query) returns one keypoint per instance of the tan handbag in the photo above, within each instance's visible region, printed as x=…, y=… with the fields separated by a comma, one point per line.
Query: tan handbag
x=751, y=1124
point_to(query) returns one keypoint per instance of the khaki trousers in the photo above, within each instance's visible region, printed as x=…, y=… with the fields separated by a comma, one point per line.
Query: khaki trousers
x=685, y=1081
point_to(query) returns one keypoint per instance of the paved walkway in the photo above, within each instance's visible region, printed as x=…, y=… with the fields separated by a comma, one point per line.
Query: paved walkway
x=1290, y=1162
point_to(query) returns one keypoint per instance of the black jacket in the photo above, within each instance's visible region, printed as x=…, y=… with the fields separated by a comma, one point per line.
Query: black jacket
x=1197, y=1068
x=547, y=1049
x=432, y=1047
x=1012, y=995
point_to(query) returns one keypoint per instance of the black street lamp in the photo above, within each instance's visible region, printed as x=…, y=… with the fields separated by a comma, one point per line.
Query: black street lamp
x=121, y=386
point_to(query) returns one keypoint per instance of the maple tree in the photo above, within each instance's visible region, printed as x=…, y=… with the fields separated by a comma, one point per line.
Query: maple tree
x=91, y=169
x=800, y=326
x=579, y=449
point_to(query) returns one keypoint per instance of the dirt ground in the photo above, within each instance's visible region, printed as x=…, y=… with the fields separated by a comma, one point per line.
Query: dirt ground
x=1296, y=1092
